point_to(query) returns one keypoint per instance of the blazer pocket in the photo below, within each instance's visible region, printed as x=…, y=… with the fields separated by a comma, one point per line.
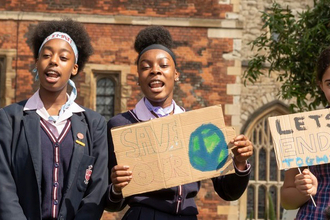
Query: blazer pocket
x=85, y=171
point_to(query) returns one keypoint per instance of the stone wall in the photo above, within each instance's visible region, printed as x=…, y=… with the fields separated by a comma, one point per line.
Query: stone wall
x=266, y=89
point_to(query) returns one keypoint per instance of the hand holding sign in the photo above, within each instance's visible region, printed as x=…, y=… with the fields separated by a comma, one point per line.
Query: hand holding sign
x=306, y=183
x=120, y=177
x=242, y=151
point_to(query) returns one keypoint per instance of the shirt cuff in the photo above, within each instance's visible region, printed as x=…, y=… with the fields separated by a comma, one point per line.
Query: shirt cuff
x=114, y=196
x=245, y=172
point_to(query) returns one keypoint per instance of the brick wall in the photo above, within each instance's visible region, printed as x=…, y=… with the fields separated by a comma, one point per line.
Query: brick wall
x=154, y=8
x=200, y=60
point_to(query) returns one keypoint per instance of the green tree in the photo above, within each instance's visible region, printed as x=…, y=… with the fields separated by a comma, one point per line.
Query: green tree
x=290, y=45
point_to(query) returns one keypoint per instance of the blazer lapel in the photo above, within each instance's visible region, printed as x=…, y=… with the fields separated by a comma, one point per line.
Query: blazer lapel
x=31, y=123
x=79, y=132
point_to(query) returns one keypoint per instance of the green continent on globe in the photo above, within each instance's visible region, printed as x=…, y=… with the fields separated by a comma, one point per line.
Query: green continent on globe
x=207, y=148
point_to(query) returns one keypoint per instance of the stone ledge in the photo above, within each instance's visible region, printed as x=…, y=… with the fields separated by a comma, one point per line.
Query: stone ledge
x=122, y=19
x=224, y=33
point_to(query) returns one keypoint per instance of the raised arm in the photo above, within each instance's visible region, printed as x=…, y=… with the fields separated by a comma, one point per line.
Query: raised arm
x=297, y=186
x=119, y=177
x=231, y=187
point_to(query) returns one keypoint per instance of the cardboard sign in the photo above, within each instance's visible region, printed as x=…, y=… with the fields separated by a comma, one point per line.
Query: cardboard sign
x=301, y=139
x=174, y=150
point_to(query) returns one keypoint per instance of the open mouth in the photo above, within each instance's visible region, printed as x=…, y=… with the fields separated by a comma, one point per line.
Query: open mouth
x=156, y=84
x=52, y=76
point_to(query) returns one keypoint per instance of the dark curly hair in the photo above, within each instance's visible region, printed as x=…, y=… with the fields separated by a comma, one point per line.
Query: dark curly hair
x=153, y=35
x=74, y=29
x=323, y=63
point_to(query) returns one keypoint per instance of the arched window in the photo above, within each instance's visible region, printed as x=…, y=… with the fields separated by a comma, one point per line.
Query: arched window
x=250, y=202
x=266, y=179
x=273, y=166
x=273, y=192
x=253, y=165
x=262, y=161
x=262, y=202
x=105, y=97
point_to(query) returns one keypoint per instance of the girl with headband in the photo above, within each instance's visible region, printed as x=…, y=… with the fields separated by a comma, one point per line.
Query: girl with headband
x=156, y=67
x=53, y=152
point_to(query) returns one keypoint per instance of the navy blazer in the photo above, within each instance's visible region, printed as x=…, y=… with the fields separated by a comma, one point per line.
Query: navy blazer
x=21, y=166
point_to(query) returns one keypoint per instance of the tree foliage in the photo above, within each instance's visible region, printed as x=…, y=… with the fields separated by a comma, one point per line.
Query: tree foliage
x=291, y=45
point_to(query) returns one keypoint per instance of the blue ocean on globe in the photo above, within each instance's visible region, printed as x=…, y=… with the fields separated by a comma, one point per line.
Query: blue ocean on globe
x=208, y=149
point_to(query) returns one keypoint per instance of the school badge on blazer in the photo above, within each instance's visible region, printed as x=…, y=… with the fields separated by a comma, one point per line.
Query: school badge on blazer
x=88, y=174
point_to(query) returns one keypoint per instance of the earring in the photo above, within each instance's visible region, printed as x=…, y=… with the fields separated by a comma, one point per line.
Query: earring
x=176, y=79
x=137, y=83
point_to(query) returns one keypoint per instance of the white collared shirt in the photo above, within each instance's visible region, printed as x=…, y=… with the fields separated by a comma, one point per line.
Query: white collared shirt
x=56, y=127
x=143, y=113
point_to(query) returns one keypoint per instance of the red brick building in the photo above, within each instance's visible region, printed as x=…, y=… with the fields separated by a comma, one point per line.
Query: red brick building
x=206, y=35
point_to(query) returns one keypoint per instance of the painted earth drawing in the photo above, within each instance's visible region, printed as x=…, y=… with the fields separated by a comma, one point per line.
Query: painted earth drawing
x=208, y=149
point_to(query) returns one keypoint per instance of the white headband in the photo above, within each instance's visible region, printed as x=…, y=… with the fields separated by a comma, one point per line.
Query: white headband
x=62, y=36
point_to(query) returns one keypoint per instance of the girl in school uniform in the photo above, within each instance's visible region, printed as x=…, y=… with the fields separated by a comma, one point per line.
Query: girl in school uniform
x=156, y=66
x=53, y=152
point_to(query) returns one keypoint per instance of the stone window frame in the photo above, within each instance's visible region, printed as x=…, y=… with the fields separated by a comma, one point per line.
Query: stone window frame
x=114, y=80
x=2, y=80
x=118, y=73
x=257, y=119
x=7, y=74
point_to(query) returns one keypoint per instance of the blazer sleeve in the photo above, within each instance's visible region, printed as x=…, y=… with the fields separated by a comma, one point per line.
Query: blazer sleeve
x=231, y=187
x=113, y=202
x=9, y=202
x=92, y=204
